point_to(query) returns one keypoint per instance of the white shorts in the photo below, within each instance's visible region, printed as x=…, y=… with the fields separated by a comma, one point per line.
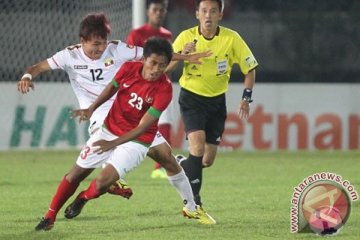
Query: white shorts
x=96, y=121
x=158, y=139
x=123, y=158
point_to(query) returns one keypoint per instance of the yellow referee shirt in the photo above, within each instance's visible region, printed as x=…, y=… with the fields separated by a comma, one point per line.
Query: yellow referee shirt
x=211, y=78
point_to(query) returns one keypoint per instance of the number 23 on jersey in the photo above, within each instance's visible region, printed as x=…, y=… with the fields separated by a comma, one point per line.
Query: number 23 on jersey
x=136, y=101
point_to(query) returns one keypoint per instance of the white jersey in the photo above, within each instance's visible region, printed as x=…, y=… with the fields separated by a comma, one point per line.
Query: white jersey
x=89, y=77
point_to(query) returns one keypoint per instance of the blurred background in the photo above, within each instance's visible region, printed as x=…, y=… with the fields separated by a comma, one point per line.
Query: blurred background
x=295, y=42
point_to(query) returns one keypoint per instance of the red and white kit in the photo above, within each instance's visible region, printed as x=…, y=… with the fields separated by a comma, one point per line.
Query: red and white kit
x=135, y=97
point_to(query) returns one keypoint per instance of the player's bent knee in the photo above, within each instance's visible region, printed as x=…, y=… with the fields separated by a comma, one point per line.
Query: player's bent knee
x=207, y=164
x=76, y=176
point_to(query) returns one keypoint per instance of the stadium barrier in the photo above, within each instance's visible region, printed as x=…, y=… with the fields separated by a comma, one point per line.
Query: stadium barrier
x=282, y=117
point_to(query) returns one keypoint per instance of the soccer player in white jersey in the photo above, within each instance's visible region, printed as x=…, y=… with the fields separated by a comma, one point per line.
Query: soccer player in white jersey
x=91, y=65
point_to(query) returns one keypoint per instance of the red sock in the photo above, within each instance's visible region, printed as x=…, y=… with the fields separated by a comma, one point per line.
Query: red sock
x=157, y=165
x=63, y=193
x=91, y=192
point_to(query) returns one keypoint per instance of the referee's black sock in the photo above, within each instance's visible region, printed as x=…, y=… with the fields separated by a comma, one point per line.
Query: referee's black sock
x=193, y=170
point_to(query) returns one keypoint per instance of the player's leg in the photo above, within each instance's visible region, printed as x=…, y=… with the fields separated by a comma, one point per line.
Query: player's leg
x=193, y=110
x=97, y=187
x=65, y=190
x=165, y=130
x=120, y=161
x=120, y=187
x=87, y=159
x=193, y=164
x=161, y=152
x=159, y=170
x=196, y=111
x=209, y=155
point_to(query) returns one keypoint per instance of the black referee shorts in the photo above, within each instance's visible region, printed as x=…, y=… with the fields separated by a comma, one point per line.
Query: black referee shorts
x=203, y=113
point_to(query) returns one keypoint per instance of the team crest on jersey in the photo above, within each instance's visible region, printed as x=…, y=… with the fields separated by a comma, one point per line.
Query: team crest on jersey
x=149, y=99
x=130, y=46
x=109, y=62
x=80, y=66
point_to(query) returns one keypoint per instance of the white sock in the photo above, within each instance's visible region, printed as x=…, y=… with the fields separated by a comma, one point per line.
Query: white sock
x=182, y=185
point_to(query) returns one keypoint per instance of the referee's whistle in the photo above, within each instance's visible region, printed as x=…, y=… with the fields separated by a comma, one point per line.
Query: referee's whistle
x=194, y=41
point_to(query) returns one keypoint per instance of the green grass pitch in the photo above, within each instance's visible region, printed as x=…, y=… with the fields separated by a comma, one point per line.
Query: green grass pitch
x=248, y=193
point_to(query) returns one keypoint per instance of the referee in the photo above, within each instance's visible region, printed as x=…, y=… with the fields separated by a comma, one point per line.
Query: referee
x=202, y=96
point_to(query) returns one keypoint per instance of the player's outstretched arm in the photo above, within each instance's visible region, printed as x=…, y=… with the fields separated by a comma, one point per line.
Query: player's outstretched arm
x=106, y=94
x=26, y=82
x=191, y=58
x=146, y=121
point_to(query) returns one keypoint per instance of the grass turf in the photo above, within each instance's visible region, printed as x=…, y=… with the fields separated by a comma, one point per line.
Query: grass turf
x=247, y=193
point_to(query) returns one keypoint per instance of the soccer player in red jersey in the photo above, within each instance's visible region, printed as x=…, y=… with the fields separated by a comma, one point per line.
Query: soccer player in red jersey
x=143, y=92
x=156, y=13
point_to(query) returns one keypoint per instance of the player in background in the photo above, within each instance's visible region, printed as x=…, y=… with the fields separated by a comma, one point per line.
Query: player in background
x=156, y=13
x=91, y=65
x=203, y=87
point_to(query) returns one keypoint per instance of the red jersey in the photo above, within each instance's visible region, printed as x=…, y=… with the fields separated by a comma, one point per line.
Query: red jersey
x=139, y=36
x=134, y=98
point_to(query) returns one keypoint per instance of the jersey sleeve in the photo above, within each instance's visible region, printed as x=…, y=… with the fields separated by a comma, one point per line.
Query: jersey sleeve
x=120, y=75
x=163, y=98
x=129, y=52
x=59, y=60
x=243, y=55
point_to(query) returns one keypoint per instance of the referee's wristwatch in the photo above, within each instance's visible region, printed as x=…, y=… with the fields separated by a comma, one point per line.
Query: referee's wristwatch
x=247, y=95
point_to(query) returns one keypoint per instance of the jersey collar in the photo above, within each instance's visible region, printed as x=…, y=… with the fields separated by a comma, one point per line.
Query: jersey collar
x=216, y=34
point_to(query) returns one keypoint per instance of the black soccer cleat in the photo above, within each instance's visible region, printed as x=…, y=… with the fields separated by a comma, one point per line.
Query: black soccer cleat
x=45, y=224
x=75, y=207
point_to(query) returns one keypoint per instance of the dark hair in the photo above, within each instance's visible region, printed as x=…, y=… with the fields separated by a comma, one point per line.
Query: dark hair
x=159, y=46
x=163, y=2
x=219, y=2
x=95, y=24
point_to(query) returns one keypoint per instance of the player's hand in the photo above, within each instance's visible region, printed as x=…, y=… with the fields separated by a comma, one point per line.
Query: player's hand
x=189, y=48
x=83, y=114
x=244, y=109
x=194, y=58
x=24, y=85
x=103, y=146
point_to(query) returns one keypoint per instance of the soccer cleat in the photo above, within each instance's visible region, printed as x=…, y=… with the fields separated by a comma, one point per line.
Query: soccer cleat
x=200, y=214
x=75, y=207
x=45, y=224
x=179, y=158
x=120, y=188
x=159, y=173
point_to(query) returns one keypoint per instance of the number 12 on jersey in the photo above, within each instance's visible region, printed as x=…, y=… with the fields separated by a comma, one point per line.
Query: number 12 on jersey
x=96, y=74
